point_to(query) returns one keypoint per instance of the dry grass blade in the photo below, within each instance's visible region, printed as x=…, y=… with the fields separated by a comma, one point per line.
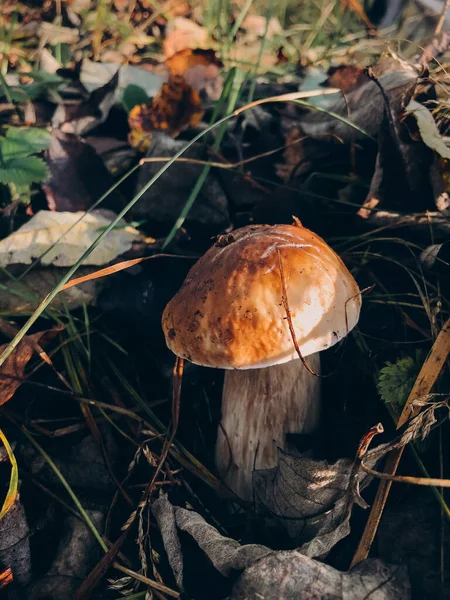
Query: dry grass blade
x=126, y=264
x=95, y=576
x=427, y=377
x=13, y=488
x=150, y=582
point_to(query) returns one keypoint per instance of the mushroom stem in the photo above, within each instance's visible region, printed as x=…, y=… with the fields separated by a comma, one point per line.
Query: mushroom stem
x=259, y=408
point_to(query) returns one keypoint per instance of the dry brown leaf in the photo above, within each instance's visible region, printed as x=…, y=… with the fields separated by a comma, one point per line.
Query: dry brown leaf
x=176, y=107
x=200, y=69
x=13, y=370
x=184, y=33
x=292, y=155
x=6, y=577
x=346, y=78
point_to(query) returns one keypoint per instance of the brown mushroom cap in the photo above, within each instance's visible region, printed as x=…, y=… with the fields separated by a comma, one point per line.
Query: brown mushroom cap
x=229, y=313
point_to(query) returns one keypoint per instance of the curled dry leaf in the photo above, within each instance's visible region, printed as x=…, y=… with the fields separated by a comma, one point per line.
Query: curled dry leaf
x=82, y=115
x=82, y=465
x=345, y=77
x=15, y=544
x=268, y=574
x=94, y=75
x=183, y=33
x=311, y=499
x=44, y=231
x=200, y=69
x=428, y=129
x=78, y=551
x=176, y=107
x=13, y=369
x=209, y=212
x=78, y=176
x=286, y=574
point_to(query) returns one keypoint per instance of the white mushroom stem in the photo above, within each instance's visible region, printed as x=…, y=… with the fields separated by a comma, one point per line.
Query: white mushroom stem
x=259, y=408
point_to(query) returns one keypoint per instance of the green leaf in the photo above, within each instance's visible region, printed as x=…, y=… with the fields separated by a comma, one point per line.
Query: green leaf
x=132, y=96
x=396, y=380
x=21, y=142
x=23, y=171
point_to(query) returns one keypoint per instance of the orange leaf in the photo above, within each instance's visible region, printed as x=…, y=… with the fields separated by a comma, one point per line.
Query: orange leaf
x=199, y=68
x=6, y=577
x=346, y=77
x=175, y=107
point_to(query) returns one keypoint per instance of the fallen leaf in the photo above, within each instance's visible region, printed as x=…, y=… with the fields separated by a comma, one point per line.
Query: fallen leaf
x=311, y=499
x=346, y=78
x=94, y=75
x=15, y=544
x=77, y=552
x=200, y=69
x=357, y=7
x=182, y=33
x=256, y=26
x=82, y=464
x=433, y=254
x=78, y=176
x=176, y=107
x=407, y=535
x=22, y=296
x=428, y=129
x=14, y=532
x=397, y=182
x=284, y=574
x=42, y=234
x=209, y=214
x=79, y=116
x=268, y=574
x=13, y=370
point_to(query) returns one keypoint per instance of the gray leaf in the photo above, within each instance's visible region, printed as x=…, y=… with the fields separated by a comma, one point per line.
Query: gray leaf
x=283, y=575
x=311, y=499
x=269, y=575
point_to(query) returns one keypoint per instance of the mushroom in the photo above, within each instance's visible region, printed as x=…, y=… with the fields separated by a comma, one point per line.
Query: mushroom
x=235, y=311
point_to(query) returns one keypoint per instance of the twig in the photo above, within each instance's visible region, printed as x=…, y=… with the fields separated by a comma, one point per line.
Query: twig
x=241, y=163
x=284, y=300
x=422, y=387
x=150, y=582
x=440, y=23
x=431, y=482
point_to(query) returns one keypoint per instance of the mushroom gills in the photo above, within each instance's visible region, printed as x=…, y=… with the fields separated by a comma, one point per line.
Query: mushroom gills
x=259, y=408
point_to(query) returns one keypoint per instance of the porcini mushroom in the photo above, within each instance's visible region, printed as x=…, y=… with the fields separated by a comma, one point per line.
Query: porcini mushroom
x=234, y=312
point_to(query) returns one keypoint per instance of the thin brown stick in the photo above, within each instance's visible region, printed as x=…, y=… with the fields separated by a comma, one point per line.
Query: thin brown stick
x=440, y=23
x=150, y=582
x=427, y=481
x=236, y=165
x=284, y=300
x=426, y=379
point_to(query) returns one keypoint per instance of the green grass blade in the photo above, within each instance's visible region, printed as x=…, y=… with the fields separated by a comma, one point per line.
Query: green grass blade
x=69, y=490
